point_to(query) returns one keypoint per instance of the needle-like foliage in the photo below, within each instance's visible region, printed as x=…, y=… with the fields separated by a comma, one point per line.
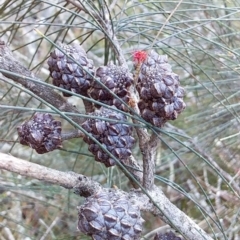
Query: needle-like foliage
x=197, y=163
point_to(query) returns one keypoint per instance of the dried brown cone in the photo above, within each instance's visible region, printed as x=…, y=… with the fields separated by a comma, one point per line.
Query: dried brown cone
x=41, y=133
x=110, y=215
x=115, y=78
x=66, y=73
x=166, y=236
x=114, y=136
x=161, y=97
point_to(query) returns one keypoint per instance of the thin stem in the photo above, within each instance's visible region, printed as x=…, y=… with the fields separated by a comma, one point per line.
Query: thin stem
x=73, y=134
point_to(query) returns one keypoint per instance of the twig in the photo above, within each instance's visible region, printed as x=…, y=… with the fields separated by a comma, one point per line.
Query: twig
x=81, y=184
x=73, y=134
x=148, y=147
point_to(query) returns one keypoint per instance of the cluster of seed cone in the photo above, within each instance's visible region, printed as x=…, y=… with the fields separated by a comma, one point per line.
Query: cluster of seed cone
x=41, y=133
x=113, y=135
x=161, y=97
x=166, y=236
x=115, y=78
x=70, y=69
x=74, y=76
x=110, y=215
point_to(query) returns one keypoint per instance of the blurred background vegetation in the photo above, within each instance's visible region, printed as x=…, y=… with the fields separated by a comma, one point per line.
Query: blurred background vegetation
x=198, y=162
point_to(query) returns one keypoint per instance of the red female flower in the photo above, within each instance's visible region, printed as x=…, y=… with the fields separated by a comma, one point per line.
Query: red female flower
x=139, y=56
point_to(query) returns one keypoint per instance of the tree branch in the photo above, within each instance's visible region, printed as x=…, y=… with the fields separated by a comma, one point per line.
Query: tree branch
x=9, y=63
x=85, y=187
x=81, y=184
x=149, y=154
x=147, y=144
x=169, y=213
